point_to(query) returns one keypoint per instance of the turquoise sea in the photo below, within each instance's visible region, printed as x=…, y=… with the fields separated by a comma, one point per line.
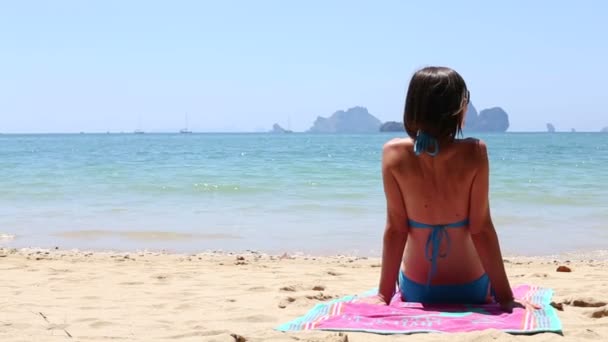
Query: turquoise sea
x=317, y=194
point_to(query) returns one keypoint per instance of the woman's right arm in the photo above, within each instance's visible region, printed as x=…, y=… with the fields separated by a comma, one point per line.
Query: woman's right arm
x=482, y=229
x=485, y=238
x=396, y=230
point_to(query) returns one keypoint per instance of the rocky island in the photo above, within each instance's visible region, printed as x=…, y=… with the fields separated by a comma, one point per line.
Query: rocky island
x=550, y=128
x=276, y=128
x=493, y=119
x=353, y=120
x=392, y=126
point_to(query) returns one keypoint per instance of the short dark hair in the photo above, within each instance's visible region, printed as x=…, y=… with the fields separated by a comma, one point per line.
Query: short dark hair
x=435, y=103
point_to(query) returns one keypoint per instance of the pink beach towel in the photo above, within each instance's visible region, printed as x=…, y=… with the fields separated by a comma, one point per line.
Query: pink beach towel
x=345, y=314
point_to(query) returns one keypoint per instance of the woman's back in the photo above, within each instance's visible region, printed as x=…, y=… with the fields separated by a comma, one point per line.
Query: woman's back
x=436, y=191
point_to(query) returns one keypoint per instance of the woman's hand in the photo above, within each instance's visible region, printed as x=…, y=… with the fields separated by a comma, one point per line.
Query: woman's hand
x=515, y=303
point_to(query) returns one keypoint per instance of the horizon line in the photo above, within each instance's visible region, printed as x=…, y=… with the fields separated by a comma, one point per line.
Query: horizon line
x=251, y=132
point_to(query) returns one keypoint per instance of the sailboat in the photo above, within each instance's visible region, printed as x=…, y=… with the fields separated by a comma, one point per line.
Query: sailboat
x=185, y=130
x=138, y=130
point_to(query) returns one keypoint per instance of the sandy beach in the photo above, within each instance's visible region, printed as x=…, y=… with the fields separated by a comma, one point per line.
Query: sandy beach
x=61, y=295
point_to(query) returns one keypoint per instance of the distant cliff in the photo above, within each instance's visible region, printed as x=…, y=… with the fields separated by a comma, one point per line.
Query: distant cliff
x=550, y=128
x=276, y=128
x=392, y=126
x=604, y=130
x=470, y=121
x=488, y=120
x=354, y=120
x=493, y=119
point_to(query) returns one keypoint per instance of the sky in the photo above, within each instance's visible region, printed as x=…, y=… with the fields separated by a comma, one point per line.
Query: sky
x=97, y=66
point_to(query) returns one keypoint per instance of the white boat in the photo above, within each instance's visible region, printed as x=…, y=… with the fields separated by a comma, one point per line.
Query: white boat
x=138, y=130
x=185, y=130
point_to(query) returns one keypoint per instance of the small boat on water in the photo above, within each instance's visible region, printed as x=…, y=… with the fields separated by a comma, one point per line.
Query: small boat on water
x=138, y=130
x=185, y=130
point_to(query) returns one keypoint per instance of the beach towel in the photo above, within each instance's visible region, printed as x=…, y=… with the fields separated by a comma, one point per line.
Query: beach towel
x=346, y=314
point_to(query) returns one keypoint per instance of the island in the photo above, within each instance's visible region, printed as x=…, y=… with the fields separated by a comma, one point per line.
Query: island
x=392, y=126
x=550, y=128
x=493, y=119
x=353, y=120
x=276, y=128
x=604, y=130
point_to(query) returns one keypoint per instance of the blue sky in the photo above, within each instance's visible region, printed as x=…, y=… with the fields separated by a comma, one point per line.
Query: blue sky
x=70, y=66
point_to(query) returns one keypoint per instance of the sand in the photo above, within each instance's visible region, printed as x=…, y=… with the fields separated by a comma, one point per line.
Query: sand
x=141, y=296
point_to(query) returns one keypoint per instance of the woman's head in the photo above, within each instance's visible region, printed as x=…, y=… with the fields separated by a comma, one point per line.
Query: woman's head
x=436, y=103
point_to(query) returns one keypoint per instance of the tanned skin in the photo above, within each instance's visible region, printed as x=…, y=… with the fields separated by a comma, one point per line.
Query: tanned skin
x=450, y=187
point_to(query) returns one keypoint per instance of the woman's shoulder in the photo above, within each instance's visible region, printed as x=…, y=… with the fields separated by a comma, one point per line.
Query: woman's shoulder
x=395, y=150
x=472, y=145
x=398, y=143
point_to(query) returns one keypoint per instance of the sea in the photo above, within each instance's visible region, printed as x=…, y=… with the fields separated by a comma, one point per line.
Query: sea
x=316, y=194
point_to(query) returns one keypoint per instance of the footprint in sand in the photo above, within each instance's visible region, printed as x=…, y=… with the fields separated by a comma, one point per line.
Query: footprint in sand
x=258, y=289
x=84, y=320
x=286, y=301
x=163, y=321
x=213, y=332
x=584, y=302
x=320, y=296
x=599, y=313
x=539, y=275
x=339, y=337
x=190, y=334
x=160, y=277
x=88, y=308
x=132, y=283
x=185, y=306
x=289, y=288
x=101, y=324
x=255, y=319
x=88, y=297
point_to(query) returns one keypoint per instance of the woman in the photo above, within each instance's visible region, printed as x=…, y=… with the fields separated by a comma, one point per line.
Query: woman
x=439, y=244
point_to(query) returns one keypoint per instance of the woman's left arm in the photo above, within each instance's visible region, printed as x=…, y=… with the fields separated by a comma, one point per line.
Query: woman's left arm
x=396, y=230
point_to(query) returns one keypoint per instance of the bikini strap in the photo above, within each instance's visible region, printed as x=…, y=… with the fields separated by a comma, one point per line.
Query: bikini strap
x=424, y=142
x=433, y=243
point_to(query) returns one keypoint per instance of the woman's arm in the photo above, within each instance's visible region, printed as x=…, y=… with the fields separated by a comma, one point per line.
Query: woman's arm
x=483, y=232
x=396, y=230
